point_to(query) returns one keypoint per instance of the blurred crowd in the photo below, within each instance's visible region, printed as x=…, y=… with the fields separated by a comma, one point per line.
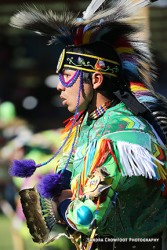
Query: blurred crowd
x=18, y=141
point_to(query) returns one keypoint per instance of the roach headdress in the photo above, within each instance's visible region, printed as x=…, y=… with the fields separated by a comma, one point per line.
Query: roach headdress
x=108, y=34
x=108, y=22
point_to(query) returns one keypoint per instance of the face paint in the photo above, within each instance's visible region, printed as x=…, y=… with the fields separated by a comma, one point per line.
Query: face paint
x=71, y=81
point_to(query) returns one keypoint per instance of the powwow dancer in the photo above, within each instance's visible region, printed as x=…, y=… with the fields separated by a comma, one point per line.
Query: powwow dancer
x=111, y=180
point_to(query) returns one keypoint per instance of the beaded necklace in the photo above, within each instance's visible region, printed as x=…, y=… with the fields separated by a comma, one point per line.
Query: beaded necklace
x=100, y=110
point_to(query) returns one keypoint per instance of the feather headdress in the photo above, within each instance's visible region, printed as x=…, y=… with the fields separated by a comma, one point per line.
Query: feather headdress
x=107, y=21
x=112, y=23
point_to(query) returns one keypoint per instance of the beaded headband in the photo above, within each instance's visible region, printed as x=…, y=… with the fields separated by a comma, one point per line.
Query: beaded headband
x=88, y=63
x=71, y=81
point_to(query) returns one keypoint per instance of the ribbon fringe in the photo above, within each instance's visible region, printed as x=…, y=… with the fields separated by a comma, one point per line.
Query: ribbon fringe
x=136, y=161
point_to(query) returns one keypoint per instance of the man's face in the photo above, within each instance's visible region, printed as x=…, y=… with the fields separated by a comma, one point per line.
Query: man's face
x=69, y=95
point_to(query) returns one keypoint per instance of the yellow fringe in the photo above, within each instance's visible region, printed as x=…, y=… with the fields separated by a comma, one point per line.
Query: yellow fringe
x=161, y=171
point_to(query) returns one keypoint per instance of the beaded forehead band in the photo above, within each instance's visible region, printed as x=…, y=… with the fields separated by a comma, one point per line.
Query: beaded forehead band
x=88, y=63
x=71, y=81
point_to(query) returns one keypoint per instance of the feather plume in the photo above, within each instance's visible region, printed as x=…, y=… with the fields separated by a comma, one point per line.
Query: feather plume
x=49, y=23
x=155, y=103
x=92, y=8
x=131, y=7
x=124, y=10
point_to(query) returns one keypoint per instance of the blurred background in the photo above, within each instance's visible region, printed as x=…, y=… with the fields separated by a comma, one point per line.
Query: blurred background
x=31, y=115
